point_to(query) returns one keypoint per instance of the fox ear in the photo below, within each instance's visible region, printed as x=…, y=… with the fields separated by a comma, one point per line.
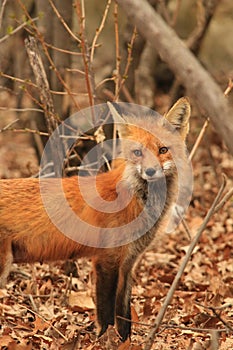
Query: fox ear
x=119, y=120
x=179, y=115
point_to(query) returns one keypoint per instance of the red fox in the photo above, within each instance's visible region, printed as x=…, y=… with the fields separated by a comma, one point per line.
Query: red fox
x=28, y=234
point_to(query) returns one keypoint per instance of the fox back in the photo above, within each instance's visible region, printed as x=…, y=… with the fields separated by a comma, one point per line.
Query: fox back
x=112, y=217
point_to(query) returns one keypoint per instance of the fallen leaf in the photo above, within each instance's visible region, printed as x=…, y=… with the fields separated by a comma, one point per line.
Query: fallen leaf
x=5, y=340
x=39, y=324
x=81, y=301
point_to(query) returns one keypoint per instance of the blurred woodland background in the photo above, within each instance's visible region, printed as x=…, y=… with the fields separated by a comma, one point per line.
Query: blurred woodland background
x=146, y=52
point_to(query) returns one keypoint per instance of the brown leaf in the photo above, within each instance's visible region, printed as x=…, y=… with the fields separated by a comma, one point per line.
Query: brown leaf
x=5, y=340
x=128, y=346
x=81, y=301
x=16, y=346
x=39, y=324
x=125, y=345
x=134, y=315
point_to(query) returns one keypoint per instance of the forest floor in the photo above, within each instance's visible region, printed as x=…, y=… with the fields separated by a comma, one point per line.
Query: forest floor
x=50, y=306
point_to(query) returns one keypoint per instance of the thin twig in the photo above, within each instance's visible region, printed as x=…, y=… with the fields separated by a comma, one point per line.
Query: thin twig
x=2, y=11
x=30, y=83
x=216, y=311
x=229, y=87
x=173, y=326
x=160, y=316
x=199, y=138
x=44, y=320
x=80, y=10
x=75, y=70
x=104, y=81
x=195, y=329
x=225, y=199
x=99, y=30
x=118, y=58
x=74, y=53
x=27, y=130
x=21, y=109
x=218, y=308
x=7, y=127
x=129, y=60
x=17, y=29
x=63, y=22
x=18, y=80
x=53, y=92
x=184, y=223
x=33, y=302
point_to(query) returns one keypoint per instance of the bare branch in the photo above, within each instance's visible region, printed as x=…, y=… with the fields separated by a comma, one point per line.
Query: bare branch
x=18, y=80
x=118, y=58
x=17, y=29
x=217, y=313
x=199, y=138
x=229, y=87
x=63, y=22
x=99, y=30
x=129, y=60
x=22, y=109
x=8, y=126
x=27, y=130
x=63, y=50
x=80, y=10
x=224, y=200
x=2, y=11
x=174, y=326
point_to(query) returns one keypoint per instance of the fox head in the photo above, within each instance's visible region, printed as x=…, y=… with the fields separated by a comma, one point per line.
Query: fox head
x=150, y=142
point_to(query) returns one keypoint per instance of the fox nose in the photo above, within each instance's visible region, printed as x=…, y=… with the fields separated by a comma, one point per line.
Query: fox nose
x=150, y=171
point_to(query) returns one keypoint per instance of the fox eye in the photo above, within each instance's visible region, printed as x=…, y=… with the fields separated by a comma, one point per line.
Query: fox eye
x=137, y=152
x=163, y=150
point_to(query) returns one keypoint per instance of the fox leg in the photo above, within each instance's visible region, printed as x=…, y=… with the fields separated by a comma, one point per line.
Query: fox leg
x=6, y=259
x=123, y=298
x=106, y=284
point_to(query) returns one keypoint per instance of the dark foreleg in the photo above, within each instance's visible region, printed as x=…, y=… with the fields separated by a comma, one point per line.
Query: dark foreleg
x=123, y=298
x=106, y=285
